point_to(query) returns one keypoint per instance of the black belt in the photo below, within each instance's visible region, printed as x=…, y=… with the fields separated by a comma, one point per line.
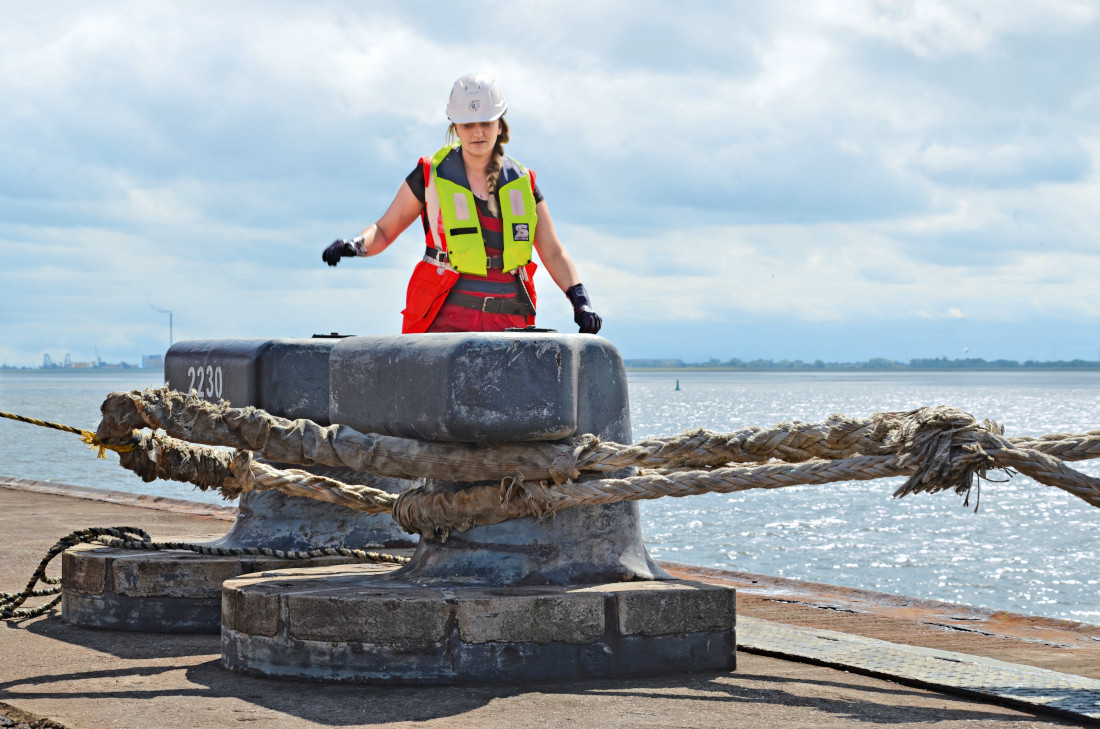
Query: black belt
x=495, y=262
x=490, y=304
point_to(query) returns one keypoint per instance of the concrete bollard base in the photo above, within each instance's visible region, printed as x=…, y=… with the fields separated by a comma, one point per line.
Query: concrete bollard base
x=168, y=591
x=360, y=624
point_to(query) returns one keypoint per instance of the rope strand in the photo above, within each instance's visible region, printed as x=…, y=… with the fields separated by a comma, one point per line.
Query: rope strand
x=85, y=435
x=10, y=602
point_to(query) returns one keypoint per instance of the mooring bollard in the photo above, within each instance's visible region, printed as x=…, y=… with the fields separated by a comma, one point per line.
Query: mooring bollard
x=487, y=388
x=173, y=591
x=570, y=595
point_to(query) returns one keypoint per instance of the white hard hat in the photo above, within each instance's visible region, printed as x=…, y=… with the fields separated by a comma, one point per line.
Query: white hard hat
x=475, y=98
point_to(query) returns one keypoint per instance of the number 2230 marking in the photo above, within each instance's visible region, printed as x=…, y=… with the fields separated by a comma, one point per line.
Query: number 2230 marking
x=209, y=380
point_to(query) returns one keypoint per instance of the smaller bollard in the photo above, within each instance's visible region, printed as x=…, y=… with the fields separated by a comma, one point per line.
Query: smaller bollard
x=175, y=591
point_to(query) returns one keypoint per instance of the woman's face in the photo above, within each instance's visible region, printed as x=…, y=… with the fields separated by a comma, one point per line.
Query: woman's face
x=478, y=138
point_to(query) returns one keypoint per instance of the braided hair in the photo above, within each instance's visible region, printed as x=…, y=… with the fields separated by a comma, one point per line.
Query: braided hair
x=492, y=173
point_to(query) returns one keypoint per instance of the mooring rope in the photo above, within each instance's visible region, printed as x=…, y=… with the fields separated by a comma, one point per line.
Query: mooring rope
x=123, y=537
x=938, y=448
x=837, y=437
x=438, y=513
x=359, y=554
x=10, y=602
x=85, y=435
x=232, y=473
x=303, y=442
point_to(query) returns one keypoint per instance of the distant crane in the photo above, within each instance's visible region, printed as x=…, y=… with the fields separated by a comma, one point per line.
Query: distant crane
x=47, y=363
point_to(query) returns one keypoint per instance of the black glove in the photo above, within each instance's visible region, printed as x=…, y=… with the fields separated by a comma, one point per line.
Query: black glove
x=583, y=313
x=332, y=254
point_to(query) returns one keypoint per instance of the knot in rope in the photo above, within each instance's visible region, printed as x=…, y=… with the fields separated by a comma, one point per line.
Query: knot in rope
x=947, y=447
x=564, y=466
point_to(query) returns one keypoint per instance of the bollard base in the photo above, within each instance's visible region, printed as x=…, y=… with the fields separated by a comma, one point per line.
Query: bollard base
x=167, y=592
x=358, y=624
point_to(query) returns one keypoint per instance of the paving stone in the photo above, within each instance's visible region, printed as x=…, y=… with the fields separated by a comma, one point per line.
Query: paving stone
x=369, y=617
x=1004, y=682
x=82, y=572
x=566, y=616
x=171, y=574
x=667, y=608
x=251, y=613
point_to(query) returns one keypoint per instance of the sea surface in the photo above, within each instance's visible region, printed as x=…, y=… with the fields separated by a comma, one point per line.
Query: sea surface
x=1029, y=548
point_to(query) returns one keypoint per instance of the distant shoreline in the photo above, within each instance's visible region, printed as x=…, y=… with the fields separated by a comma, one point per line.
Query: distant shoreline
x=857, y=368
x=76, y=370
x=877, y=364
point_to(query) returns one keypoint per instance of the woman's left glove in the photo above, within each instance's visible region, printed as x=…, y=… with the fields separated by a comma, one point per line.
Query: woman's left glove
x=583, y=313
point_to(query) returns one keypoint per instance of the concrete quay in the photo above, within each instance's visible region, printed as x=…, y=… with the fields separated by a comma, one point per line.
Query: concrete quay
x=53, y=674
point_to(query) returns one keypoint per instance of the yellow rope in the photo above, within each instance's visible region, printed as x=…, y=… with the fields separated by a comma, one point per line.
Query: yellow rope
x=85, y=435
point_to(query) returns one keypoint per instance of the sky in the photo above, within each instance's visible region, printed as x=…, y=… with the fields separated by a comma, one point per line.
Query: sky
x=782, y=180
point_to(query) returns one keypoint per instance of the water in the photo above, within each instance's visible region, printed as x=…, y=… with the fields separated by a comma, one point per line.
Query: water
x=1029, y=549
x=27, y=451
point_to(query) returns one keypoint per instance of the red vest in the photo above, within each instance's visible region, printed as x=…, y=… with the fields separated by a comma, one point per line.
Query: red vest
x=432, y=281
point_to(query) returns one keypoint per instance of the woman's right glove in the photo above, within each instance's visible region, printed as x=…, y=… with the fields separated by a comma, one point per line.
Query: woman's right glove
x=339, y=248
x=583, y=313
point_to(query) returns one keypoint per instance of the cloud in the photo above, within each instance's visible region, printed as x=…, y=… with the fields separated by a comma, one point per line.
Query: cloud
x=1008, y=163
x=827, y=164
x=828, y=272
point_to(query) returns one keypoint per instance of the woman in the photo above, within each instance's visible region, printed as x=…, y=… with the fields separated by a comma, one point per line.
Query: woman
x=482, y=214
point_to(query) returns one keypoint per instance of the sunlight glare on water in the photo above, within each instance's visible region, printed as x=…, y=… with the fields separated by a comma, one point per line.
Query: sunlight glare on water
x=1029, y=548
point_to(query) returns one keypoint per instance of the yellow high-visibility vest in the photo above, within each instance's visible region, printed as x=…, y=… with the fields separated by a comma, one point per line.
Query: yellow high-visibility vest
x=459, y=225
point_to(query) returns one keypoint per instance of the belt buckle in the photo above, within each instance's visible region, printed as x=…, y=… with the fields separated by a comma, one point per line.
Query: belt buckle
x=484, y=303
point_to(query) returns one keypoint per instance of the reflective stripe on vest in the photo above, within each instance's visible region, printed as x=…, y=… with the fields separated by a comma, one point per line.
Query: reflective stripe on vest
x=458, y=230
x=517, y=208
